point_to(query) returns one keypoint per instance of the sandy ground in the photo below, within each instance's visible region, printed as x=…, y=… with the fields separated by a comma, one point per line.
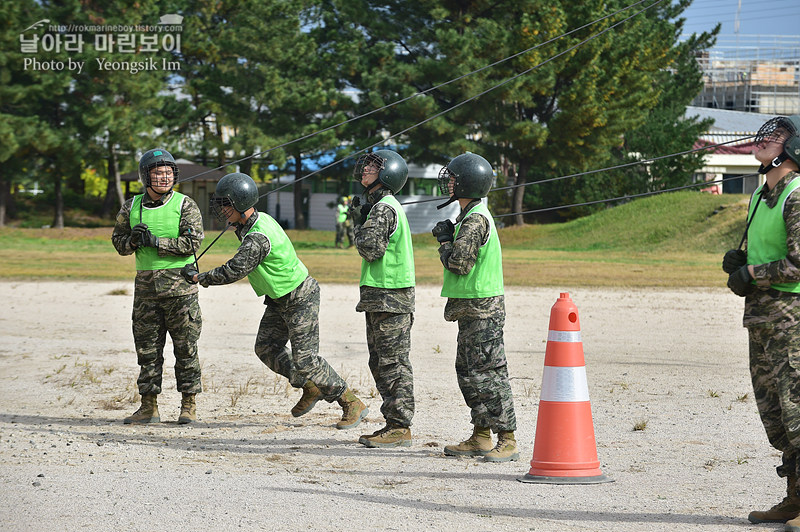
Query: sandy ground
x=674, y=361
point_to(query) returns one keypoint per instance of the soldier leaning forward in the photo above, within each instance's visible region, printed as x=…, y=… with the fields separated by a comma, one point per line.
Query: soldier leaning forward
x=767, y=275
x=267, y=258
x=473, y=283
x=383, y=239
x=162, y=228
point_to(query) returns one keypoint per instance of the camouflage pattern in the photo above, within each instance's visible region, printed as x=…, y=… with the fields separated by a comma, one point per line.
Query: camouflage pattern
x=253, y=249
x=389, y=344
x=775, y=372
x=169, y=282
x=481, y=367
x=482, y=373
x=153, y=318
x=772, y=319
x=164, y=302
x=389, y=317
x=763, y=307
x=295, y=318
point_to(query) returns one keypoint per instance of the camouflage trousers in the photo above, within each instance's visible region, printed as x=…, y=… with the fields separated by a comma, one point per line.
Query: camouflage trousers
x=775, y=372
x=297, y=321
x=482, y=373
x=389, y=343
x=342, y=229
x=152, y=320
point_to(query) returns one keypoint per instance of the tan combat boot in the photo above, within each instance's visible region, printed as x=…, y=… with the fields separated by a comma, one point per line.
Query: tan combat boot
x=353, y=410
x=388, y=436
x=479, y=444
x=188, y=409
x=311, y=395
x=786, y=510
x=147, y=413
x=505, y=450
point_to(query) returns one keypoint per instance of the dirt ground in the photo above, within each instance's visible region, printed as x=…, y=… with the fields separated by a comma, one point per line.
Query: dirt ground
x=671, y=362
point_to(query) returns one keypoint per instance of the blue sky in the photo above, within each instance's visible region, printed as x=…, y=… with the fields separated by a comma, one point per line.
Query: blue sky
x=756, y=17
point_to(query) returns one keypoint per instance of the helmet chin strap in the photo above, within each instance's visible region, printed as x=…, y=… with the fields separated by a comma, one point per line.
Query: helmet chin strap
x=776, y=162
x=448, y=202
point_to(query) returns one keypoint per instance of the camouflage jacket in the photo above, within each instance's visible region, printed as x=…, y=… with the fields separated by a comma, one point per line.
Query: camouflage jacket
x=764, y=306
x=253, y=249
x=459, y=257
x=162, y=283
x=371, y=241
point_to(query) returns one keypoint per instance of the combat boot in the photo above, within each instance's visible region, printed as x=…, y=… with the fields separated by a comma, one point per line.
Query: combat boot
x=353, y=410
x=786, y=510
x=311, y=395
x=188, y=409
x=388, y=436
x=147, y=413
x=505, y=450
x=479, y=444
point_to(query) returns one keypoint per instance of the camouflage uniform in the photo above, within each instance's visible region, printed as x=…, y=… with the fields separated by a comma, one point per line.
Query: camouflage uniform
x=772, y=319
x=293, y=317
x=481, y=367
x=389, y=314
x=163, y=302
x=344, y=227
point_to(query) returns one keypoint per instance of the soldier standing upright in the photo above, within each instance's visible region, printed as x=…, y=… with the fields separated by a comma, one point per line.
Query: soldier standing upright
x=267, y=258
x=473, y=284
x=767, y=275
x=383, y=239
x=163, y=229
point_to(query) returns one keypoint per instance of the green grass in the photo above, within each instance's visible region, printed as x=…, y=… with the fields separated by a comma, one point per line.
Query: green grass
x=668, y=240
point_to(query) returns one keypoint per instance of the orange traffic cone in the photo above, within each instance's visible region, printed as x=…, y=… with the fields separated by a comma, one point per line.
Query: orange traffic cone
x=564, y=450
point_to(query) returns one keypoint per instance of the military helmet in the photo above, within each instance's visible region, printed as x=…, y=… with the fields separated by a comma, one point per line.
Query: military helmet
x=153, y=159
x=392, y=168
x=774, y=129
x=472, y=173
x=235, y=190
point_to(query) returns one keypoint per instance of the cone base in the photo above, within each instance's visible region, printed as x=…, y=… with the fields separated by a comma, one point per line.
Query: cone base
x=537, y=479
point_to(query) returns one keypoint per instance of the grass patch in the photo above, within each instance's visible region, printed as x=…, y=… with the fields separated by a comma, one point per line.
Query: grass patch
x=668, y=240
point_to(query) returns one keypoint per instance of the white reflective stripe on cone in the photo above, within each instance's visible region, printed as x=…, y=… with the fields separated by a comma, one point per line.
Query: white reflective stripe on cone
x=567, y=384
x=564, y=336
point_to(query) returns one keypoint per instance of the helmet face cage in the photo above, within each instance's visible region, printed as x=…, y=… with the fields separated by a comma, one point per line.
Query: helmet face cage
x=445, y=176
x=148, y=180
x=774, y=130
x=365, y=161
x=217, y=205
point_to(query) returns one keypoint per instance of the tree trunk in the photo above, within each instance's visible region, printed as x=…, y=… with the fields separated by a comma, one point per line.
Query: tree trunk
x=517, y=203
x=299, y=218
x=5, y=197
x=58, y=217
x=114, y=196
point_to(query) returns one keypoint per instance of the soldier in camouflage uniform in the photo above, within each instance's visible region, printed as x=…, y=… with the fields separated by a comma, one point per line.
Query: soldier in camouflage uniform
x=267, y=258
x=344, y=224
x=768, y=276
x=383, y=239
x=163, y=229
x=473, y=283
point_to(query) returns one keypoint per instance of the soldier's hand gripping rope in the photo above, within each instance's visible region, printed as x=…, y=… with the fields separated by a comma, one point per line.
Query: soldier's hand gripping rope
x=190, y=270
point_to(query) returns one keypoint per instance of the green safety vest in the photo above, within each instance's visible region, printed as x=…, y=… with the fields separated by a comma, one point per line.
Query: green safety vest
x=342, y=214
x=163, y=221
x=396, y=268
x=281, y=271
x=766, y=236
x=486, y=277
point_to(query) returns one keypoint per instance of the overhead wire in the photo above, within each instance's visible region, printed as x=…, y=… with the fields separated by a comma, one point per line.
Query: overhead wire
x=504, y=82
x=355, y=118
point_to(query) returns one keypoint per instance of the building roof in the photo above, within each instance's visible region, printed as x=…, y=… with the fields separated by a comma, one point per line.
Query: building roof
x=188, y=170
x=725, y=121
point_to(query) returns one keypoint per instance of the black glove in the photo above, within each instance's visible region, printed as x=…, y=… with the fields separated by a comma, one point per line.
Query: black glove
x=444, y=231
x=188, y=272
x=740, y=282
x=733, y=260
x=149, y=239
x=358, y=211
x=136, y=234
